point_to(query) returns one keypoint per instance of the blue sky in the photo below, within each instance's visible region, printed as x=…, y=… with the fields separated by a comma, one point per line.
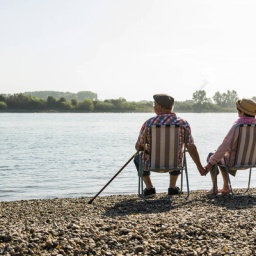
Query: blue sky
x=128, y=48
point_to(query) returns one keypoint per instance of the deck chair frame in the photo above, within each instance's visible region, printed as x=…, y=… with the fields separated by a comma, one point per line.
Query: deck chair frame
x=164, y=154
x=245, y=156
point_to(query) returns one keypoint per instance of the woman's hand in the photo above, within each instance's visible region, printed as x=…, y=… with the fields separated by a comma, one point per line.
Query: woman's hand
x=202, y=170
x=208, y=168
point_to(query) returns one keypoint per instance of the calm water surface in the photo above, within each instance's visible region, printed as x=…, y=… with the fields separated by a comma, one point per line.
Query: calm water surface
x=71, y=155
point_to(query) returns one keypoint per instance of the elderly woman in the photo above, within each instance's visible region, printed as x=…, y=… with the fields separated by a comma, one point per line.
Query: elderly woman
x=246, y=112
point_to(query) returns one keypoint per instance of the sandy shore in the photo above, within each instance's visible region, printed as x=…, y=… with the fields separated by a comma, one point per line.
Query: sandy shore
x=127, y=225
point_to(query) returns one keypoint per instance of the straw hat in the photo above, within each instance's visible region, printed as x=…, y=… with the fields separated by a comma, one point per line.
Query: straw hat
x=164, y=100
x=247, y=106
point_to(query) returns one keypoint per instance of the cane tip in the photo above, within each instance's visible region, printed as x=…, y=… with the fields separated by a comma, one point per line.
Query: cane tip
x=90, y=201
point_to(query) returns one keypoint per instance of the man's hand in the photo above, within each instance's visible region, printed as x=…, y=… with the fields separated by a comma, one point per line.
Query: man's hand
x=202, y=170
x=207, y=168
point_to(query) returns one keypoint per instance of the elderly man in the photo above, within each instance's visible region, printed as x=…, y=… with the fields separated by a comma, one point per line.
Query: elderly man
x=163, y=106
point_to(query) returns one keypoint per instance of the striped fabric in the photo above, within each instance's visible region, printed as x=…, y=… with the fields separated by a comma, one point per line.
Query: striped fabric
x=165, y=148
x=246, y=148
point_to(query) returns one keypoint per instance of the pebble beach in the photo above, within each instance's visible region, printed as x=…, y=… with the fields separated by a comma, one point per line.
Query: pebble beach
x=128, y=225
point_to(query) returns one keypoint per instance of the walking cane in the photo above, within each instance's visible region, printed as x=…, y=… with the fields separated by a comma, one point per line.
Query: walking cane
x=112, y=178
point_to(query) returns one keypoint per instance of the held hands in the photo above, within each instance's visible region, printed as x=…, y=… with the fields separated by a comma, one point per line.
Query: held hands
x=207, y=168
x=202, y=170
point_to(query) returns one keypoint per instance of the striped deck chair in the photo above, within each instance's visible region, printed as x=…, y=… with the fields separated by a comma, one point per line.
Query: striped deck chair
x=167, y=153
x=245, y=157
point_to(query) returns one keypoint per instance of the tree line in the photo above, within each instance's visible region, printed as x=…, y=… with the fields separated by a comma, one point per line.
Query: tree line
x=88, y=102
x=67, y=95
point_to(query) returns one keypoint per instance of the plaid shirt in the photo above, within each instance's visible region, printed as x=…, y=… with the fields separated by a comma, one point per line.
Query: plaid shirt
x=162, y=119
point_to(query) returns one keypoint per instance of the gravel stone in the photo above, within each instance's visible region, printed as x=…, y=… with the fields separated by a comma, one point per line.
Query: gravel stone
x=128, y=225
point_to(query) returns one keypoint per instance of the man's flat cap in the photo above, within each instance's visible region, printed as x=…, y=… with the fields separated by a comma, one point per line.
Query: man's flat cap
x=164, y=100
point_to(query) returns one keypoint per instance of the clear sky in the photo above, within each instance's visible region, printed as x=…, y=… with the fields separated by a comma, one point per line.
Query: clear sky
x=128, y=48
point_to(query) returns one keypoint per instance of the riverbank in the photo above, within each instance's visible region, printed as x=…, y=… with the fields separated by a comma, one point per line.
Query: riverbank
x=127, y=225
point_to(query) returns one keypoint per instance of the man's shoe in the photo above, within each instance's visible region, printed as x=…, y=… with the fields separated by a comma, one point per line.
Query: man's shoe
x=149, y=192
x=174, y=191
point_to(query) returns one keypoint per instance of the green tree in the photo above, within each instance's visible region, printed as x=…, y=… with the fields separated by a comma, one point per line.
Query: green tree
x=86, y=105
x=63, y=104
x=62, y=99
x=87, y=95
x=144, y=106
x=51, y=102
x=74, y=102
x=3, y=105
x=127, y=107
x=205, y=107
x=218, y=98
x=104, y=106
x=23, y=101
x=226, y=99
x=67, y=95
x=36, y=103
x=118, y=103
x=230, y=98
x=182, y=106
x=2, y=98
x=199, y=96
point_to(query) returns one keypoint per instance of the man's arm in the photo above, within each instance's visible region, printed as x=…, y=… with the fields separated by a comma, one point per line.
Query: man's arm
x=192, y=150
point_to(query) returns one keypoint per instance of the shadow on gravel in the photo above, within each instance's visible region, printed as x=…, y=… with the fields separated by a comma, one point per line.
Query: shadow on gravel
x=140, y=206
x=236, y=202
x=163, y=203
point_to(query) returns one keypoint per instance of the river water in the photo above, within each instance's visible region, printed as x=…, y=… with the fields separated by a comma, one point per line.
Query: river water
x=55, y=155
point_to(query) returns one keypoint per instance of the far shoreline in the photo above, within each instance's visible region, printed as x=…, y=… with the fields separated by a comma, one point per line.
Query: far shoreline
x=110, y=112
